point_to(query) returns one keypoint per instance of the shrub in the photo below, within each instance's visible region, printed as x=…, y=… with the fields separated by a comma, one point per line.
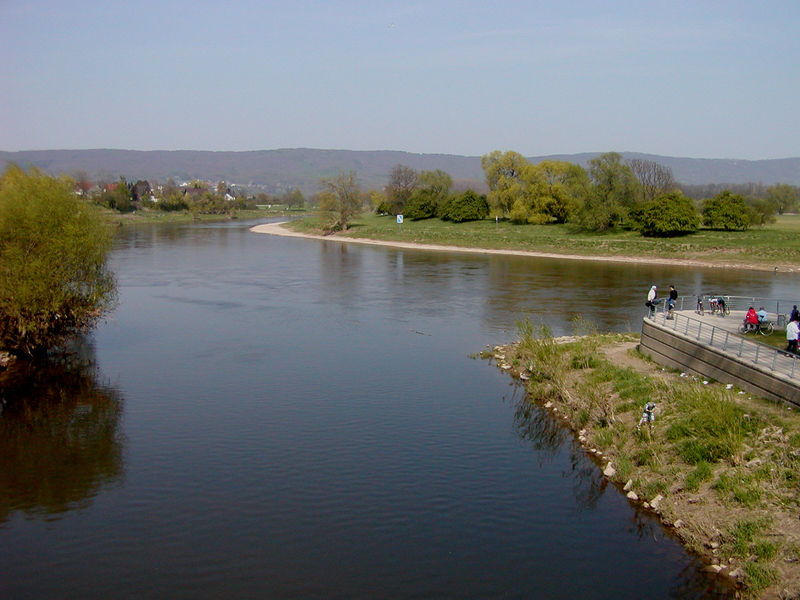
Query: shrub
x=421, y=205
x=668, y=215
x=54, y=282
x=726, y=211
x=468, y=206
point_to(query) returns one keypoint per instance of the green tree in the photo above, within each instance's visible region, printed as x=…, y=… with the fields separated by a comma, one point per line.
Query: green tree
x=559, y=189
x=613, y=194
x=433, y=188
x=378, y=201
x=468, y=206
x=726, y=211
x=761, y=210
x=505, y=176
x=339, y=200
x=293, y=197
x=669, y=214
x=783, y=196
x=54, y=281
x=117, y=196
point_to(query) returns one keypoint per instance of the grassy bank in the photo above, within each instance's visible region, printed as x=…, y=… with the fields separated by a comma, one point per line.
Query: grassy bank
x=720, y=467
x=773, y=245
x=150, y=216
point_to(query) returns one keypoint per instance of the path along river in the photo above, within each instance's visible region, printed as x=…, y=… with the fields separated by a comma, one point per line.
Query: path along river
x=278, y=417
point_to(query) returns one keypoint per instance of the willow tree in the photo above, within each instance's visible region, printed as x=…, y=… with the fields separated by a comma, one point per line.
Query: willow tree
x=54, y=279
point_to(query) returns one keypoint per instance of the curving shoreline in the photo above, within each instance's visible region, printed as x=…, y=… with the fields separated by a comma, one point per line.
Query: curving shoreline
x=277, y=228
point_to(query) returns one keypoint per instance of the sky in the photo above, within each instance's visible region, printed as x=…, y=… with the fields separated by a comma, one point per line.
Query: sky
x=701, y=79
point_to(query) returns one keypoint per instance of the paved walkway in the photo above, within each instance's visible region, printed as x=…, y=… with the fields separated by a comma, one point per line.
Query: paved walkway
x=723, y=334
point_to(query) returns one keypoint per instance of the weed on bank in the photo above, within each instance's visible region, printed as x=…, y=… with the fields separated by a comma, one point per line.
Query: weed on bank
x=721, y=467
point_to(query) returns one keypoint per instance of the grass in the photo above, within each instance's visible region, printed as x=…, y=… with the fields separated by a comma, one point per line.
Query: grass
x=714, y=456
x=150, y=216
x=770, y=245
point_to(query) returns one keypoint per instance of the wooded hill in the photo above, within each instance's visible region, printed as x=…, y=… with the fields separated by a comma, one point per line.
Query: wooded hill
x=275, y=171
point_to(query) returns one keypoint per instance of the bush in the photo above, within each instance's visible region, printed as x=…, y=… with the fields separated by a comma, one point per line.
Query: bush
x=421, y=205
x=54, y=282
x=468, y=206
x=669, y=215
x=726, y=211
x=173, y=203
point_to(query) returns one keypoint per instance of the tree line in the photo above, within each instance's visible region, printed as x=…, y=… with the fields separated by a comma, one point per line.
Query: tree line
x=639, y=195
x=197, y=197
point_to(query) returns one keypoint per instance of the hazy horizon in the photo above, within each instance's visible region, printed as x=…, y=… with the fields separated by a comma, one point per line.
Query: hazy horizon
x=589, y=152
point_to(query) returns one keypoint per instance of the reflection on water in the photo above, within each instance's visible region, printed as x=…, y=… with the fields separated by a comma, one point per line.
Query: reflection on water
x=60, y=439
x=289, y=433
x=549, y=437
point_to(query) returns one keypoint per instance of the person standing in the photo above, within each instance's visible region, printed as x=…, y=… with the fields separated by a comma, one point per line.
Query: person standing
x=652, y=300
x=673, y=298
x=792, y=330
x=648, y=416
x=795, y=316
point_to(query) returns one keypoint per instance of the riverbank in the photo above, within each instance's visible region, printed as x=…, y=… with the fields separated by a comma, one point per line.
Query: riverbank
x=185, y=217
x=720, y=468
x=602, y=251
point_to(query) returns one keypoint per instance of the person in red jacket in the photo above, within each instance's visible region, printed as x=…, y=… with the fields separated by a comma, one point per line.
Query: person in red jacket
x=751, y=319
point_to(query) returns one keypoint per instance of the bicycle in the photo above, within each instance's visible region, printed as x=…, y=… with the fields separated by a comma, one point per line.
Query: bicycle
x=763, y=327
x=699, y=308
x=719, y=307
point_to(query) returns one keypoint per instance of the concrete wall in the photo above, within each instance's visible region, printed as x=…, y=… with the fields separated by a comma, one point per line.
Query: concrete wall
x=672, y=349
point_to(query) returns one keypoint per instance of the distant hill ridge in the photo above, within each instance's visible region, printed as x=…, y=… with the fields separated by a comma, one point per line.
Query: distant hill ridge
x=282, y=169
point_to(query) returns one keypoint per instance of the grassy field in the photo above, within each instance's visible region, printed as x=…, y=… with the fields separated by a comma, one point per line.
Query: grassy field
x=773, y=245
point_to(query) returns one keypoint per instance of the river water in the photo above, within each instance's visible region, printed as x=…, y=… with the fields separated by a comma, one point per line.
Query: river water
x=286, y=418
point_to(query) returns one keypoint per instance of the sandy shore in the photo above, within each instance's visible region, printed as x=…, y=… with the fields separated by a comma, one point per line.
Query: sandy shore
x=278, y=229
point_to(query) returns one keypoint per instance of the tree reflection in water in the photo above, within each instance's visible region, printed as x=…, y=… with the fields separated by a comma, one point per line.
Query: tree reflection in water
x=547, y=436
x=60, y=439
x=537, y=426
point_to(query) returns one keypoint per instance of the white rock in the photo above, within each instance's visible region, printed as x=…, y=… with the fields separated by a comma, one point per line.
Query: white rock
x=656, y=501
x=735, y=574
x=678, y=524
x=609, y=471
x=628, y=485
x=548, y=404
x=632, y=496
x=712, y=569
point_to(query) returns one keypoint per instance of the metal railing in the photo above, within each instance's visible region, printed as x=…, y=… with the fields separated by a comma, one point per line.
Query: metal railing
x=773, y=305
x=766, y=356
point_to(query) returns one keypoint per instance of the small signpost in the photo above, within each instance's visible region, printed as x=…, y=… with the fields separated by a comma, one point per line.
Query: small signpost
x=399, y=222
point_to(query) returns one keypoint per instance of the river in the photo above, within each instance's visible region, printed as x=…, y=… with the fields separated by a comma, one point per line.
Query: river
x=287, y=418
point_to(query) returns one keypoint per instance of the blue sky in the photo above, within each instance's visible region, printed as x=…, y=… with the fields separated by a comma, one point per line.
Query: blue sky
x=699, y=79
